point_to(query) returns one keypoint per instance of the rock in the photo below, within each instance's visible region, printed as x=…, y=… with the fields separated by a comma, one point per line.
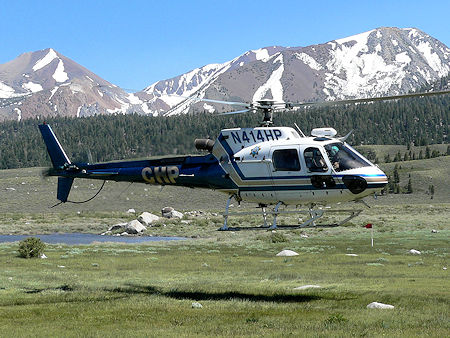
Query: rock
x=43, y=256
x=147, y=218
x=376, y=305
x=304, y=236
x=197, y=305
x=10, y=189
x=61, y=266
x=444, y=268
x=414, y=252
x=117, y=226
x=124, y=234
x=134, y=227
x=131, y=211
x=166, y=210
x=169, y=212
x=287, y=253
x=106, y=233
x=352, y=255
x=434, y=231
x=304, y=287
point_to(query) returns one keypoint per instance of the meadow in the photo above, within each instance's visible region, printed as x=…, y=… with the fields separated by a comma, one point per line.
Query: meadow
x=244, y=289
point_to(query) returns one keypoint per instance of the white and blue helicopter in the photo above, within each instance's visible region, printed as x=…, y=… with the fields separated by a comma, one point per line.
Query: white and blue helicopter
x=266, y=165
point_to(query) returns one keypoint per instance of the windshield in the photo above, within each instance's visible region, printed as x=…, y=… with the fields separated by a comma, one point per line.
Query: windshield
x=343, y=157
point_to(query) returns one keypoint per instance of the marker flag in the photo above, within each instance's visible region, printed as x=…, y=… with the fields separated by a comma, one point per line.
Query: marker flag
x=369, y=226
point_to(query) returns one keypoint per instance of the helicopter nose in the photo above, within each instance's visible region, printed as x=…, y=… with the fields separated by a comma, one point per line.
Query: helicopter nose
x=356, y=184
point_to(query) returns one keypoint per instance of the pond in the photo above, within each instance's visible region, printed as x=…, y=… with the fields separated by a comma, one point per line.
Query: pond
x=79, y=238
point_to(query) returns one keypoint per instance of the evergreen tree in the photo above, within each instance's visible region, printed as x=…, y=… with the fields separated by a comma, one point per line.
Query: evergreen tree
x=427, y=152
x=396, y=176
x=409, y=189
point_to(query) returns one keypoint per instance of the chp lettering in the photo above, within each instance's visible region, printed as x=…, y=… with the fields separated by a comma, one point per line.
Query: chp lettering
x=162, y=175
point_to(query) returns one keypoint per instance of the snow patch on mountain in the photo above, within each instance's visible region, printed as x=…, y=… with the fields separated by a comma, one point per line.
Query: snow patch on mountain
x=60, y=75
x=41, y=63
x=208, y=108
x=403, y=57
x=273, y=83
x=134, y=99
x=32, y=87
x=6, y=91
x=433, y=59
x=261, y=54
x=19, y=113
x=52, y=92
x=353, y=71
x=308, y=60
x=360, y=39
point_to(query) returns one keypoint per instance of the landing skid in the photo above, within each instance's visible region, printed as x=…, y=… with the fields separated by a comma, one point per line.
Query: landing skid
x=314, y=214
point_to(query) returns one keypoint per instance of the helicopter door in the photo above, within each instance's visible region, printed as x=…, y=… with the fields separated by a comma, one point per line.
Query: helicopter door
x=285, y=165
x=318, y=169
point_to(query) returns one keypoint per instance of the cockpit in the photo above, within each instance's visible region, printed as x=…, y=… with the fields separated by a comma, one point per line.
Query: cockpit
x=342, y=157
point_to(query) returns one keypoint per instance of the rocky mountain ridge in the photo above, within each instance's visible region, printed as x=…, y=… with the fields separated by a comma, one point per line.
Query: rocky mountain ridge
x=383, y=61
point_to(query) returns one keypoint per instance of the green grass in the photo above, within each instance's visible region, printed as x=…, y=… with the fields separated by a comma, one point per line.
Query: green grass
x=112, y=290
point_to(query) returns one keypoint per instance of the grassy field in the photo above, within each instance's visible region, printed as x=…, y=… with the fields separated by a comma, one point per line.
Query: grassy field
x=245, y=290
x=148, y=290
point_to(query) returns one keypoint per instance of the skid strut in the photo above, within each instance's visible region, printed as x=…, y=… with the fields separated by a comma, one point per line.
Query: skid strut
x=225, y=215
x=314, y=214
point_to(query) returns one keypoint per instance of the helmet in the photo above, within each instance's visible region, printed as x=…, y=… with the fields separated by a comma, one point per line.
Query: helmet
x=334, y=150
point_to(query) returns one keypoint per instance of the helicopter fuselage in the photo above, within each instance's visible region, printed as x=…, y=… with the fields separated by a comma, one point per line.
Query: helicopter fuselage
x=265, y=165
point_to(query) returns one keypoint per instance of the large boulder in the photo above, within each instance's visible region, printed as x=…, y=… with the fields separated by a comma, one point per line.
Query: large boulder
x=376, y=305
x=147, y=218
x=117, y=226
x=287, y=253
x=135, y=227
x=169, y=212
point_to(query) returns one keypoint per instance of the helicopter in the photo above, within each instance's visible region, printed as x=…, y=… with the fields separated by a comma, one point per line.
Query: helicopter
x=266, y=165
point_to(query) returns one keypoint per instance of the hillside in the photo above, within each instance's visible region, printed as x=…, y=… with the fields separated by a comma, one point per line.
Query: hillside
x=418, y=121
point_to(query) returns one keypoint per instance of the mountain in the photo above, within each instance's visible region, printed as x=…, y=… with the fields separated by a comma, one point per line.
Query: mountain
x=383, y=61
x=46, y=83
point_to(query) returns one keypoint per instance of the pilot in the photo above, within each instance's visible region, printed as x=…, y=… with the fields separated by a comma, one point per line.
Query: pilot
x=334, y=157
x=318, y=160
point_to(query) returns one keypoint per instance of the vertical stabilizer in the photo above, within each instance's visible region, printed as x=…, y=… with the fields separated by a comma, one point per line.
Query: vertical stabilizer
x=64, y=185
x=56, y=152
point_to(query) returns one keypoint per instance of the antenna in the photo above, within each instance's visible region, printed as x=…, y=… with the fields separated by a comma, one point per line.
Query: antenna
x=301, y=133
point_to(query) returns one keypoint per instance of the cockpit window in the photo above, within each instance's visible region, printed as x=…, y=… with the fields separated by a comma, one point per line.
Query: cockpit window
x=314, y=160
x=286, y=160
x=343, y=157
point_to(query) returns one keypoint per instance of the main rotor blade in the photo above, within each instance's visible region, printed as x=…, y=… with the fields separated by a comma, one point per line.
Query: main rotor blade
x=236, y=112
x=198, y=99
x=372, y=99
x=243, y=104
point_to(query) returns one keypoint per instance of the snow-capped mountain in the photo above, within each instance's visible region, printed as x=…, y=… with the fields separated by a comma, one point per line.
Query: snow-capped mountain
x=383, y=61
x=46, y=83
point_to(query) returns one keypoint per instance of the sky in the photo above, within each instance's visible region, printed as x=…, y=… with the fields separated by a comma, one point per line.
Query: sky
x=135, y=43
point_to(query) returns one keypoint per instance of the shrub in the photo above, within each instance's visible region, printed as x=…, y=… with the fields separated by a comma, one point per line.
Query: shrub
x=276, y=237
x=31, y=247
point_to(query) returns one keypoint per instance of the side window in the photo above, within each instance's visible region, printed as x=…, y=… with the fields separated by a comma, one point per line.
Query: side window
x=314, y=160
x=286, y=160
